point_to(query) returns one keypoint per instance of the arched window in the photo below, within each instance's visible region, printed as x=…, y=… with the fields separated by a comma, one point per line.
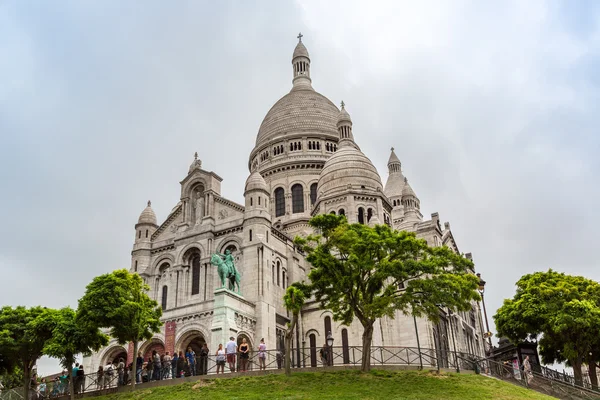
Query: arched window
x=135, y=268
x=333, y=212
x=297, y=198
x=283, y=278
x=250, y=236
x=273, y=273
x=146, y=232
x=342, y=212
x=259, y=200
x=164, y=297
x=369, y=214
x=251, y=201
x=345, y=348
x=361, y=215
x=196, y=274
x=139, y=234
x=313, y=193
x=279, y=202
x=278, y=273
x=313, y=349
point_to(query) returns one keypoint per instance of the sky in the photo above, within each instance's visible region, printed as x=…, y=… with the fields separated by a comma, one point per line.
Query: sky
x=492, y=108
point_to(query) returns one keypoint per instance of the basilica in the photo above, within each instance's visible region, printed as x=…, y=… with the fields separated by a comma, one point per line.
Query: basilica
x=306, y=161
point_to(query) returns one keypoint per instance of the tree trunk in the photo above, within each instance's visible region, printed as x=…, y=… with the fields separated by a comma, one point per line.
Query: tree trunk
x=593, y=375
x=71, y=379
x=26, y=377
x=367, y=337
x=289, y=335
x=576, y=364
x=134, y=365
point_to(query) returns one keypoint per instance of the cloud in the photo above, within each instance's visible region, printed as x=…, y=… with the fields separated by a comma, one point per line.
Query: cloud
x=491, y=109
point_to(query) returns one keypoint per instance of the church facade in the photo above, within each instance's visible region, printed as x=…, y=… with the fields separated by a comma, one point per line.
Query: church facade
x=306, y=161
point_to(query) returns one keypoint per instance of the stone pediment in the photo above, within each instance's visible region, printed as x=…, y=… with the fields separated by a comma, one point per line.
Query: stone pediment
x=168, y=229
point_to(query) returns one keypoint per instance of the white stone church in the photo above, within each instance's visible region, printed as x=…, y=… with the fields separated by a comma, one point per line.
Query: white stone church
x=306, y=161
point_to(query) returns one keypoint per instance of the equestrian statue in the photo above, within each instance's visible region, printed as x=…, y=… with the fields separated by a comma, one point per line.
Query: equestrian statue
x=226, y=270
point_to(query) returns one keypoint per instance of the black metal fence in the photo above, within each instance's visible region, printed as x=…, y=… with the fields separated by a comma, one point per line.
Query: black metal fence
x=411, y=357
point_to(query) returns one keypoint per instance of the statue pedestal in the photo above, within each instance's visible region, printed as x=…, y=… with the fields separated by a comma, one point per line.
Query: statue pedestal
x=231, y=317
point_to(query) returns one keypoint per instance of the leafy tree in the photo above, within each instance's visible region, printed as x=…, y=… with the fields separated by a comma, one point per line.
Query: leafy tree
x=12, y=379
x=294, y=298
x=23, y=335
x=119, y=301
x=563, y=310
x=371, y=272
x=71, y=337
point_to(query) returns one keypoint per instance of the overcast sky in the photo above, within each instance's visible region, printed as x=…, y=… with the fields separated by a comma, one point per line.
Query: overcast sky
x=493, y=111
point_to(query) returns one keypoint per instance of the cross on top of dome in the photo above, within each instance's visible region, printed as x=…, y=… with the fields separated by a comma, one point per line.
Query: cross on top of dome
x=300, y=36
x=343, y=104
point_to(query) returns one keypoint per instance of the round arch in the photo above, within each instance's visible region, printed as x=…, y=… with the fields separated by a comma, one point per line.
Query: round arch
x=188, y=186
x=111, y=353
x=152, y=344
x=313, y=332
x=181, y=256
x=228, y=242
x=193, y=336
x=160, y=261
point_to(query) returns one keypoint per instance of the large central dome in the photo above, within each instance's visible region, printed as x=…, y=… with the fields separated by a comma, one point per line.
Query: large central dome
x=301, y=110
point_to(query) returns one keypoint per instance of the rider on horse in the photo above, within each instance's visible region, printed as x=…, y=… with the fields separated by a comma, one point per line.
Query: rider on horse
x=228, y=259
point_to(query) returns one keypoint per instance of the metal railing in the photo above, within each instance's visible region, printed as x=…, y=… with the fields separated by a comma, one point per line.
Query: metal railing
x=412, y=357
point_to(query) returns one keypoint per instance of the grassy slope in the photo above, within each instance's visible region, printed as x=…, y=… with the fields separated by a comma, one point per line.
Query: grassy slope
x=340, y=385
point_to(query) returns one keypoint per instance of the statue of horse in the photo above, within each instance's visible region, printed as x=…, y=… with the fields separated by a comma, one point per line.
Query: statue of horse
x=225, y=274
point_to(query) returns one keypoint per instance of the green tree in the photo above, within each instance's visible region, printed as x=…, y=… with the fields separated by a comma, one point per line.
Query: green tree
x=563, y=311
x=12, y=379
x=119, y=301
x=371, y=272
x=23, y=335
x=71, y=337
x=294, y=298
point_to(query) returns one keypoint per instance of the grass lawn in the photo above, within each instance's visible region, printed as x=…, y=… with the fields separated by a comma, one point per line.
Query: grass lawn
x=339, y=385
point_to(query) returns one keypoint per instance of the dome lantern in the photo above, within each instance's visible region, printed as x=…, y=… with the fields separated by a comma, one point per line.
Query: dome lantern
x=301, y=66
x=344, y=126
x=147, y=216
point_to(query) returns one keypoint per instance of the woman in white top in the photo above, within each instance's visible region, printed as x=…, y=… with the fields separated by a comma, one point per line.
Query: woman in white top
x=220, y=354
x=262, y=354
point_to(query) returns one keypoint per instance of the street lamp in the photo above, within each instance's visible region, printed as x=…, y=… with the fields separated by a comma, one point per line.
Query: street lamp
x=487, y=324
x=330, y=344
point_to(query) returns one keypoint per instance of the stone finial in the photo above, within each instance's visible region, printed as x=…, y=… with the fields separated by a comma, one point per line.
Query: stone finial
x=392, y=149
x=343, y=104
x=149, y=203
x=299, y=37
x=195, y=155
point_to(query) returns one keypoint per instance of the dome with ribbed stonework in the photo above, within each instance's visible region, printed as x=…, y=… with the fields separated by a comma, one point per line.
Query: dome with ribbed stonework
x=147, y=216
x=303, y=110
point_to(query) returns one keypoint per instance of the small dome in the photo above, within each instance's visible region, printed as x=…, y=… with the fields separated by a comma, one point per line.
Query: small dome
x=256, y=182
x=196, y=164
x=147, y=216
x=348, y=167
x=407, y=190
x=343, y=116
x=300, y=51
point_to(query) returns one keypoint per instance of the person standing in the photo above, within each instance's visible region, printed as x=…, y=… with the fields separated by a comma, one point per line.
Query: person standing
x=244, y=355
x=74, y=378
x=231, y=350
x=174, y=361
x=203, y=364
x=166, y=362
x=220, y=354
x=139, y=363
x=121, y=371
x=324, y=352
x=527, y=370
x=191, y=359
x=100, y=378
x=180, y=365
x=262, y=354
x=80, y=379
x=157, y=365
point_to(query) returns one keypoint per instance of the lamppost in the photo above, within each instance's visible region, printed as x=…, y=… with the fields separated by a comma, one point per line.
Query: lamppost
x=330, y=345
x=488, y=334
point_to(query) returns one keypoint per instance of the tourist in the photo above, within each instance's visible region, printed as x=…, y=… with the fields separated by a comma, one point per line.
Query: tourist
x=121, y=372
x=181, y=365
x=231, y=350
x=74, y=377
x=109, y=374
x=262, y=354
x=244, y=354
x=80, y=380
x=64, y=382
x=157, y=365
x=527, y=370
x=149, y=368
x=220, y=354
x=100, y=378
x=174, y=365
x=324, y=352
x=166, y=362
x=55, y=387
x=190, y=355
x=42, y=388
x=203, y=364
x=279, y=358
x=139, y=363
